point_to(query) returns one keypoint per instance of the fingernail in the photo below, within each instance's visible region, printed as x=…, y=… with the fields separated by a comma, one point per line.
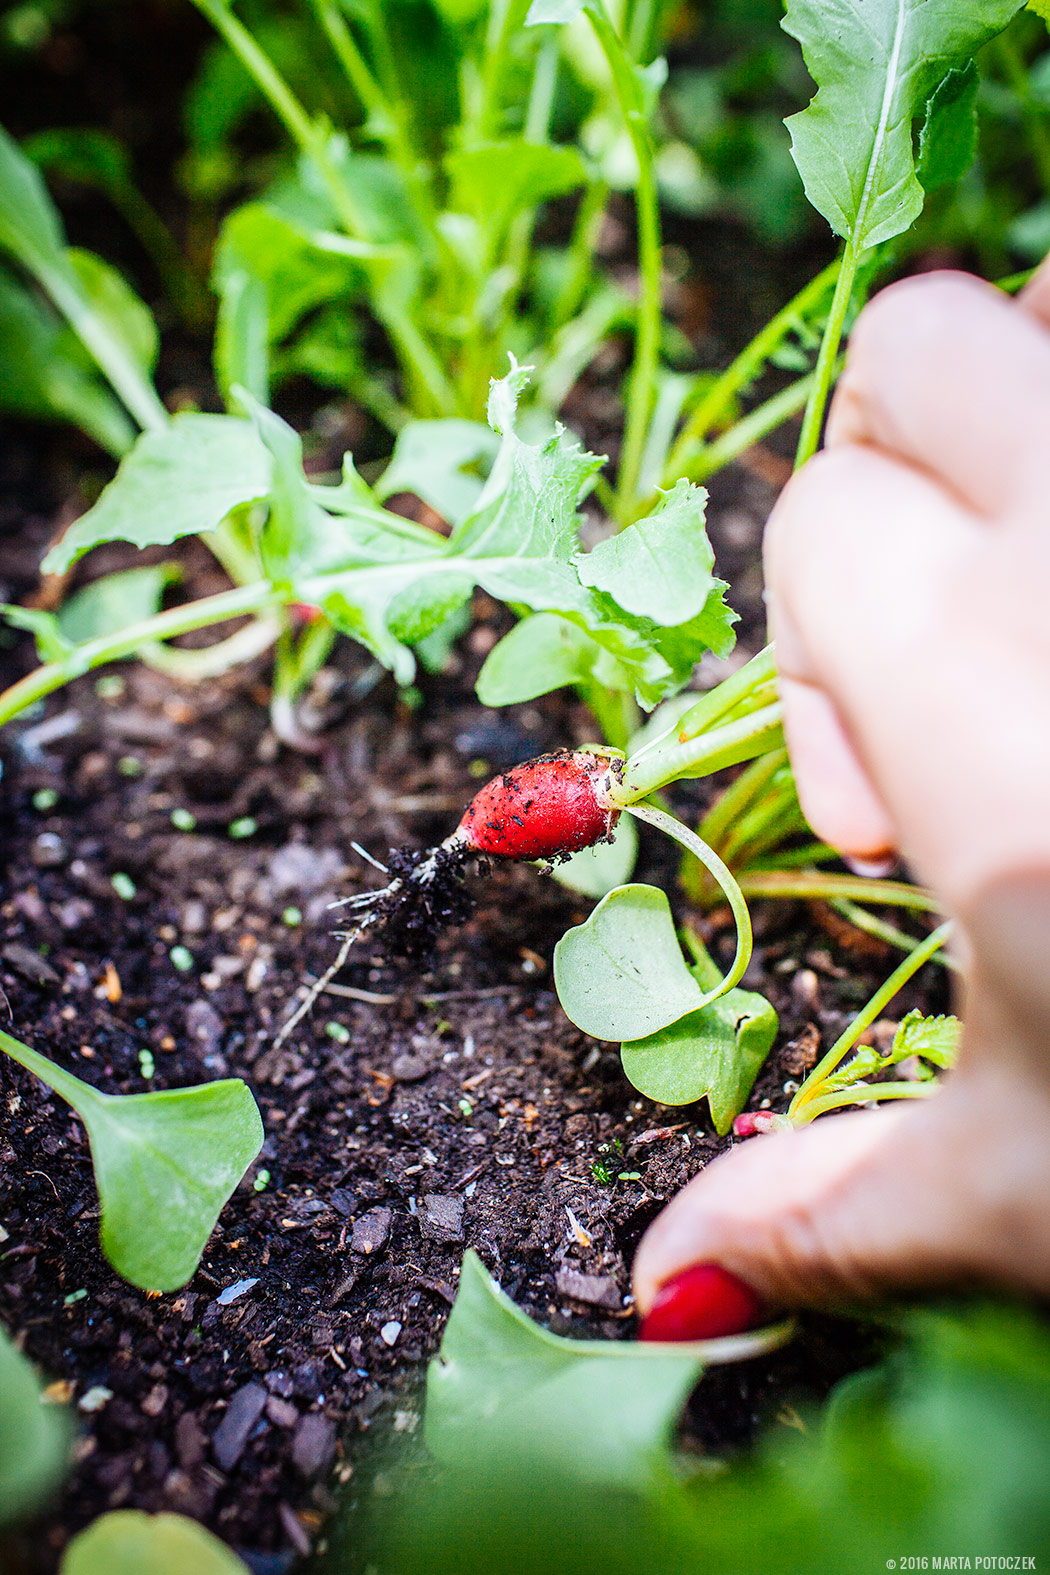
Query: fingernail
x=877, y=867
x=704, y=1302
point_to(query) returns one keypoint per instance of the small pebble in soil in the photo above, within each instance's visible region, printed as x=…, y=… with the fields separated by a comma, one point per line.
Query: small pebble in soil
x=371, y=1231
x=232, y=1292
x=389, y=1332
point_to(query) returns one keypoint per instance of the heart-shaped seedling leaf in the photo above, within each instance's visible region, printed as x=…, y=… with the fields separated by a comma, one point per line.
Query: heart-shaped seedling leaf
x=165, y=1164
x=130, y=1542
x=621, y=975
x=715, y=1053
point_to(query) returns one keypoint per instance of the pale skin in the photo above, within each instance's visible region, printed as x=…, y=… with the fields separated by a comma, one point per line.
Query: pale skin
x=908, y=571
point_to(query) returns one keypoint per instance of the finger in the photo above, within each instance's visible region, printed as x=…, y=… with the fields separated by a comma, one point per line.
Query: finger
x=947, y=373
x=864, y=560
x=1035, y=297
x=834, y=790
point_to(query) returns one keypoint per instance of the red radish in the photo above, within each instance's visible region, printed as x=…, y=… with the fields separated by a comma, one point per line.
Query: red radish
x=548, y=808
x=304, y=613
x=702, y=1303
x=755, y=1122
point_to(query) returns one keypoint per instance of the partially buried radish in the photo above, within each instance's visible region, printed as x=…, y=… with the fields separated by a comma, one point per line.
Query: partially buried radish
x=548, y=808
x=704, y=1302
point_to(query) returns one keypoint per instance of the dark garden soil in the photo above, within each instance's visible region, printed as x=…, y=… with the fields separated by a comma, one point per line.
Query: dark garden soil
x=419, y=1112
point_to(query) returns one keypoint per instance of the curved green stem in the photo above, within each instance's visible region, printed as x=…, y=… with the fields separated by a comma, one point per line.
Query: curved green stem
x=715, y=867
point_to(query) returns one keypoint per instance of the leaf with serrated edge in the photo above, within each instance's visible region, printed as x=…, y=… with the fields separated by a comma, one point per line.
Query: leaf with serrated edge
x=660, y=567
x=180, y=481
x=875, y=63
x=621, y=975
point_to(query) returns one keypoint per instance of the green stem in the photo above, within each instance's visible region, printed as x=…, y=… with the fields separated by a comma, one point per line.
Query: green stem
x=827, y=358
x=70, y=1088
x=882, y=930
x=642, y=383
x=905, y=970
x=742, y=372
x=756, y=678
x=862, y=1093
x=723, y=746
x=822, y=886
x=739, y=796
x=579, y=259
x=752, y=428
x=243, y=600
x=505, y=18
x=715, y=867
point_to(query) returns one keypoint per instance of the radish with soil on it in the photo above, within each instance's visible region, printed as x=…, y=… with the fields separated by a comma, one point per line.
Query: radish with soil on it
x=546, y=809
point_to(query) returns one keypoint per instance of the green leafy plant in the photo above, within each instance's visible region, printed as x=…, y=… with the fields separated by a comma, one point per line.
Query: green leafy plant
x=548, y=1454
x=165, y=1164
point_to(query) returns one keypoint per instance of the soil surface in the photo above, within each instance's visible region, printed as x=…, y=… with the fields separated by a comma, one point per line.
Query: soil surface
x=421, y=1111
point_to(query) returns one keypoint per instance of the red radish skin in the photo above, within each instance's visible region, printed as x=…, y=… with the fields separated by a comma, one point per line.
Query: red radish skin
x=704, y=1302
x=545, y=809
x=753, y=1123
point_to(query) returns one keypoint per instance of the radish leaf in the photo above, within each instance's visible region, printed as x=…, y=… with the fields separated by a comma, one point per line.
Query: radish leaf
x=599, y=1409
x=875, y=63
x=948, y=141
x=165, y=1164
x=621, y=975
x=715, y=1054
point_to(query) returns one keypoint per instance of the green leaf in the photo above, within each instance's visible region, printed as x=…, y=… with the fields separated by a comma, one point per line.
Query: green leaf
x=948, y=141
x=45, y=373
x=282, y=257
x=30, y=228
x=539, y=654
x=179, y=481
x=496, y=180
x=127, y=319
x=621, y=975
x=51, y=643
x=165, y=1164
x=660, y=567
x=875, y=63
x=241, y=351
x=130, y=1542
x=715, y=1053
x=935, y=1039
x=598, y=870
x=113, y=602
x=437, y=461
x=502, y=1389
x=33, y=1437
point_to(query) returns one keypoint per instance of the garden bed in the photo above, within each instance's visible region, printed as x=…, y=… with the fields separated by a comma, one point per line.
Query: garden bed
x=435, y=1108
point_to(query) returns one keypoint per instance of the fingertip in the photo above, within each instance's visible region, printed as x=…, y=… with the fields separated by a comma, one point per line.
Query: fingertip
x=834, y=789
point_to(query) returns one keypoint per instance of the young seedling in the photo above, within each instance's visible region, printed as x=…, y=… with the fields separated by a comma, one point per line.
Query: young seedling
x=835, y=1082
x=165, y=1165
